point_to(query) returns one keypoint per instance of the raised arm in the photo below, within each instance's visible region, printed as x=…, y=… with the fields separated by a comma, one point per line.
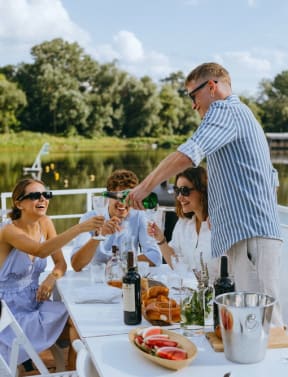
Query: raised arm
x=166, y=250
x=18, y=238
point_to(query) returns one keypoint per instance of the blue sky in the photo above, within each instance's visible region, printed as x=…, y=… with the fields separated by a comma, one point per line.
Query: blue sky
x=157, y=37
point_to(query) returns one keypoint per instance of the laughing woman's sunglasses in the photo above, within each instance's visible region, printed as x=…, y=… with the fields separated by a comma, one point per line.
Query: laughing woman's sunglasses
x=183, y=190
x=36, y=195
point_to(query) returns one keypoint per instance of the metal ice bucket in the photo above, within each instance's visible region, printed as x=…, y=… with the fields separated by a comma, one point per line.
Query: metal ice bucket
x=245, y=319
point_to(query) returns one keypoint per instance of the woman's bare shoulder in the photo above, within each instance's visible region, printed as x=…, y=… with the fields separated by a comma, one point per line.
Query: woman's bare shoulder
x=45, y=220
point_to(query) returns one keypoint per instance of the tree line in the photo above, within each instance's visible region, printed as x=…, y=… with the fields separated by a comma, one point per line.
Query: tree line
x=66, y=92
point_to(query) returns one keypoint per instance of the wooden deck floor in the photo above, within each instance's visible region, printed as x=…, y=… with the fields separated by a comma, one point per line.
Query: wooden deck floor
x=48, y=360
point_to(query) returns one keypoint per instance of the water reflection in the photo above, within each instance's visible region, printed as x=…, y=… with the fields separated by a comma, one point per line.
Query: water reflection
x=75, y=170
x=90, y=169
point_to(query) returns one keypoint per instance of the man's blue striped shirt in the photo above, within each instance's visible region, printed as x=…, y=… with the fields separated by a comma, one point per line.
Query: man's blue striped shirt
x=241, y=178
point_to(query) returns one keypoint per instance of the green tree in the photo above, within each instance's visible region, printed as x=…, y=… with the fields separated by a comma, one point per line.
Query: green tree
x=273, y=101
x=12, y=101
x=141, y=106
x=105, y=100
x=177, y=106
x=171, y=110
x=176, y=80
x=254, y=107
x=61, y=70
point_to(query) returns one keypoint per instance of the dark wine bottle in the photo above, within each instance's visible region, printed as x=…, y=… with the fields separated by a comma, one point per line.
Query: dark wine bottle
x=131, y=293
x=223, y=284
x=149, y=202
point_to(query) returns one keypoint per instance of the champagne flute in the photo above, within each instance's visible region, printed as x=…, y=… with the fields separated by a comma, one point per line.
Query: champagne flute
x=179, y=267
x=99, y=205
x=150, y=215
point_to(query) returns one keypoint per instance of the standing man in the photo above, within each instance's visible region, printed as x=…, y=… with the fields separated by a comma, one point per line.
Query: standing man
x=241, y=181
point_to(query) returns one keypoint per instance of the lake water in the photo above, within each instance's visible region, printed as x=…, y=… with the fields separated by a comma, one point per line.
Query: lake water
x=90, y=169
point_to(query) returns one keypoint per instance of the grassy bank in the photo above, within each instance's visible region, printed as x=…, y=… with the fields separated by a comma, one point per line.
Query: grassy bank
x=30, y=140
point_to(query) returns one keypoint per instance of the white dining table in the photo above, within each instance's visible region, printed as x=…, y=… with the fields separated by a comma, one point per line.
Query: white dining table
x=101, y=328
x=94, y=319
x=115, y=356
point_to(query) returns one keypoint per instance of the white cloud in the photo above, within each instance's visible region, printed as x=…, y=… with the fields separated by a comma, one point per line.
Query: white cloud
x=105, y=53
x=25, y=23
x=132, y=57
x=247, y=60
x=249, y=68
x=130, y=48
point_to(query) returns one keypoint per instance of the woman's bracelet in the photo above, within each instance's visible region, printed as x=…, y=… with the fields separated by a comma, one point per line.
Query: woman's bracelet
x=55, y=275
x=162, y=241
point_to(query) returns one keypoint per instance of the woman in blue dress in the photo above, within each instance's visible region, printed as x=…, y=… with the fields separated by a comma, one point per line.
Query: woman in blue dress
x=25, y=242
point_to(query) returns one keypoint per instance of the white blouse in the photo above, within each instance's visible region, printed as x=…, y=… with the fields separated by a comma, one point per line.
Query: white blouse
x=187, y=242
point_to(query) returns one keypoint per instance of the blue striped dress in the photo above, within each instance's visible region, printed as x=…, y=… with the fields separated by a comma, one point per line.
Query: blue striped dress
x=241, y=178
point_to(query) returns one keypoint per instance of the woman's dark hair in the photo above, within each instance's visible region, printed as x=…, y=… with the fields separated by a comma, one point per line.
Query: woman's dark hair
x=198, y=177
x=18, y=191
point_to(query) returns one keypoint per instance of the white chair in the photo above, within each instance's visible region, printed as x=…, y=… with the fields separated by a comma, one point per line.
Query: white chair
x=84, y=365
x=21, y=340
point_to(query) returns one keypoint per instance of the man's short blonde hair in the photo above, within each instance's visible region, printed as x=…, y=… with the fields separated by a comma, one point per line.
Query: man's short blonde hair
x=206, y=71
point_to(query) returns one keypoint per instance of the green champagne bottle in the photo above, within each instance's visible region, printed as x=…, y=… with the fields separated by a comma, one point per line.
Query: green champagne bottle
x=149, y=202
x=224, y=284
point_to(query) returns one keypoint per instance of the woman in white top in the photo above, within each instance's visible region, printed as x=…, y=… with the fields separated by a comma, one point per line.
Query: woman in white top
x=191, y=235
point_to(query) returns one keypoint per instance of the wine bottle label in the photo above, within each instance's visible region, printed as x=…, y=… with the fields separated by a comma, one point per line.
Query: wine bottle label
x=128, y=297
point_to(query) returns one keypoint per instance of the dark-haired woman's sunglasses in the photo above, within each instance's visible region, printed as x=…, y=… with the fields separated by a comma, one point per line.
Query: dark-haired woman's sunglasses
x=183, y=190
x=36, y=195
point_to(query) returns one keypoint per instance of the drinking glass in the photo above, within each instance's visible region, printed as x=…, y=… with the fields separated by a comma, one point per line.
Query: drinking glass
x=179, y=265
x=114, y=272
x=150, y=215
x=97, y=272
x=143, y=268
x=99, y=205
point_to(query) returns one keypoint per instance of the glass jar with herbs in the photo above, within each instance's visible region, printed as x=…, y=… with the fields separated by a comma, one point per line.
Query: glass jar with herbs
x=197, y=304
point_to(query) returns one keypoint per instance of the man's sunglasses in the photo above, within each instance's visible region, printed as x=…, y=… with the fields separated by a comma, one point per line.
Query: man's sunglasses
x=36, y=195
x=183, y=190
x=193, y=92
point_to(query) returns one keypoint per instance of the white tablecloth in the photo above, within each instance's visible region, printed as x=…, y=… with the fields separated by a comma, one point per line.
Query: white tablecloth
x=102, y=329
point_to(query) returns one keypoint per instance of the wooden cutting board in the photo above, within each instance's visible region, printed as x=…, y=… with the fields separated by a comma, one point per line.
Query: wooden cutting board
x=278, y=338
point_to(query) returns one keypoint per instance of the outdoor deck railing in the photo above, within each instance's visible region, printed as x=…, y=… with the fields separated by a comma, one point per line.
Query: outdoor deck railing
x=89, y=195
x=283, y=210
x=88, y=192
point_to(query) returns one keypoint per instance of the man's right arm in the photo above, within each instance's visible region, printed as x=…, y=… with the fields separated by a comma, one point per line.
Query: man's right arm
x=173, y=164
x=84, y=254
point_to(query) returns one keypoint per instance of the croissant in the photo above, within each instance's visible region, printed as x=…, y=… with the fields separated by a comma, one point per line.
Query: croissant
x=157, y=307
x=157, y=290
x=162, y=311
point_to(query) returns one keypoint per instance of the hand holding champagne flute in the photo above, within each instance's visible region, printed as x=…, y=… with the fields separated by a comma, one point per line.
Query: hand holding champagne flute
x=99, y=205
x=150, y=215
